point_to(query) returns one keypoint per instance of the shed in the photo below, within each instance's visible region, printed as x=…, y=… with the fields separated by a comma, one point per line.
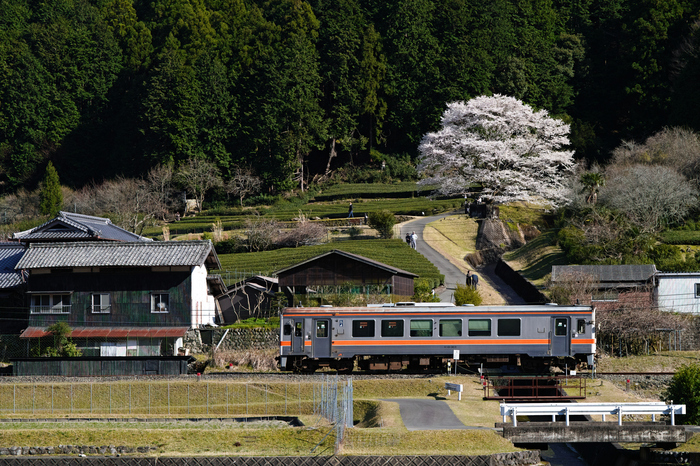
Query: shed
x=339, y=268
x=612, y=279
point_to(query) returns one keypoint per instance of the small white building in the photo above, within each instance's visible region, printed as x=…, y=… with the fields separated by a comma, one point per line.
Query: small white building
x=678, y=292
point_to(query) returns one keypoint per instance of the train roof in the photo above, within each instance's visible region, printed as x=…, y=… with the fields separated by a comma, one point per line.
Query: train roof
x=445, y=309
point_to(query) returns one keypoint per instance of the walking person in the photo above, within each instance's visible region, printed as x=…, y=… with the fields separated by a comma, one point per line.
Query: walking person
x=414, y=240
x=350, y=214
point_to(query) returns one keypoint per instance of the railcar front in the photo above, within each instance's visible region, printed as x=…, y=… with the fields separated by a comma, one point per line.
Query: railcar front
x=427, y=337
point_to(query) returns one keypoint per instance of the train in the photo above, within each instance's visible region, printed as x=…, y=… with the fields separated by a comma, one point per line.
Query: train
x=428, y=336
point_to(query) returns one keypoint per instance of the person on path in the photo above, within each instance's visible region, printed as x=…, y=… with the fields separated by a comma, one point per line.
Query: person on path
x=414, y=240
x=350, y=214
x=408, y=239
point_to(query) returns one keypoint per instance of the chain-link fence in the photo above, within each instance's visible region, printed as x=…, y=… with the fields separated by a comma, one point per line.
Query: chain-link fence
x=159, y=399
x=335, y=401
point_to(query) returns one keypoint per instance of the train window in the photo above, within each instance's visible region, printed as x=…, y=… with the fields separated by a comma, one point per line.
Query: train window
x=581, y=326
x=450, y=327
x=479, y=327
x=422, y=328
x=560, y=327
x=298, y=329
x=392, y=328
x=321, y=329
x=362, y=328
x=508, y=327
x=287, y=329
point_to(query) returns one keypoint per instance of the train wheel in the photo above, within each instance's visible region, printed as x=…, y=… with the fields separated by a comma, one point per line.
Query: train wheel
x=345, y=366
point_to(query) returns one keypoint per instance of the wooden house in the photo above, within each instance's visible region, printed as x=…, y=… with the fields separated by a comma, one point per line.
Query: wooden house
x=121, y=298
x=338, y=268
x=68, y=227
x=251, y=297
x=613, y=284
x=13, y=314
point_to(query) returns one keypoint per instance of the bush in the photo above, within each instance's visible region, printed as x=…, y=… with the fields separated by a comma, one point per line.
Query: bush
x=685, y=389
x=467, y=295
x=423, y=291
x=235, y=244
x=383, y=222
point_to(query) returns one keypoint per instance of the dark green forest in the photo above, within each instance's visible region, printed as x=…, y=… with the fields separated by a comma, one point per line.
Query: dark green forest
x=294, y=88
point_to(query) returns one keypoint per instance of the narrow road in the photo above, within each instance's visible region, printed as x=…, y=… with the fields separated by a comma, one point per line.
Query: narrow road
x=453, y=275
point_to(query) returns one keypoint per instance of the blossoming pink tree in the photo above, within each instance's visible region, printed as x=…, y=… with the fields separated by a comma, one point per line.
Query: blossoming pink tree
x=514, y=152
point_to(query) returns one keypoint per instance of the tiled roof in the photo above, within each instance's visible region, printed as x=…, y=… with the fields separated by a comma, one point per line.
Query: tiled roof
x=10, y=254
x=608, y=273
x=69, y=226
x=119, y=254
x=349, y=255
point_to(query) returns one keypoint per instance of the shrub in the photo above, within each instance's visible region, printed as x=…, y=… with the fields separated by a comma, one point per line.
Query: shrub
x=383, y=222
x=467, y=295
x=232, y=245
x=685, y=389
x=423, y=291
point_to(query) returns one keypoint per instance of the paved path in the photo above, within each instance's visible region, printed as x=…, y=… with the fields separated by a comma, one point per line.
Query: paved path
x=422, y=414
x=453, y=275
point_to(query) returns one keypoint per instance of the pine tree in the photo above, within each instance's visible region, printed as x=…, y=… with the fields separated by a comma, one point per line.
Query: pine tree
x=51, y=197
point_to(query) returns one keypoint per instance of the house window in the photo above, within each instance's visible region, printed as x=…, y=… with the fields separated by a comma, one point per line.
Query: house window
x=160, y=302
x=697, y=290
x=608, y=295
x=50, y=304
x=100, y=304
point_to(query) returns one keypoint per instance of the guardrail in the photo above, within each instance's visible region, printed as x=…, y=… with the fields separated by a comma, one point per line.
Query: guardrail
x=568, y=409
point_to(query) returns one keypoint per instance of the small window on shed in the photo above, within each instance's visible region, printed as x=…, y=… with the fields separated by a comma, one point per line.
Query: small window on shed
x=392, y=328
x=422, y=328
x=362, y=328
x=479, y=327
x=508, y=327
x=450, y=327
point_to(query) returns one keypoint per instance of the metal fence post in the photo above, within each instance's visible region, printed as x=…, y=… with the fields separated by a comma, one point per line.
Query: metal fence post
x=90, y=398
x=246, y=398
x=168, y=397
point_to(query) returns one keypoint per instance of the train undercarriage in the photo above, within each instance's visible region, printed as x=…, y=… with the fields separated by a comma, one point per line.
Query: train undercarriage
x=429, y=363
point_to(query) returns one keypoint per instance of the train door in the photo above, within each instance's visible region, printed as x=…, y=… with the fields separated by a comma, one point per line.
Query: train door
x=561, y=337
x=298, y=336
x=322, y=338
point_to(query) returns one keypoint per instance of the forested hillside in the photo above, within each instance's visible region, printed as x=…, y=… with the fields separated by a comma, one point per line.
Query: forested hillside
x=294, y=88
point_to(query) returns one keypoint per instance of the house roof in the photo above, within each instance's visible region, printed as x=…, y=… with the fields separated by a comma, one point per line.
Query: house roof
x=10, y=254
x=260, y=283
x=119, y=254
x=622, y=275
x=111, y=332
x=349, y=255
x=77, y=227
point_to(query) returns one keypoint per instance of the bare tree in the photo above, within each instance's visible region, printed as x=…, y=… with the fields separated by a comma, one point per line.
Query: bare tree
x=573, y=288
x=304, y=233
x=261, y=233
x=160, y=184
x=198, y=176
x=678, y=148
x=243, y=183
x=650, y=196
x=130, y=202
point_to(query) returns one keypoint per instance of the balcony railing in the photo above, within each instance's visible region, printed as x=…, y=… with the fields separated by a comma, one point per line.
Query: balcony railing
x=57, y=309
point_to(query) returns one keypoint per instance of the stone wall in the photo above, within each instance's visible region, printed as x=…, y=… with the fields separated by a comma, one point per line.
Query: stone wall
x=202, y=340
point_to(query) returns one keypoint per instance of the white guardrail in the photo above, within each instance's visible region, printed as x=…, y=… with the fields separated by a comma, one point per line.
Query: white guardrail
x=571, y=409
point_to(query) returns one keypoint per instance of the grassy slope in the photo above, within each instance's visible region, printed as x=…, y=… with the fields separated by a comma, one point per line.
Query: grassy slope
x=535, y=260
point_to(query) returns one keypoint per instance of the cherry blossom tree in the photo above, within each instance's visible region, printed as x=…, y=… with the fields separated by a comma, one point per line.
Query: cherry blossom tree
x=514, y=152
